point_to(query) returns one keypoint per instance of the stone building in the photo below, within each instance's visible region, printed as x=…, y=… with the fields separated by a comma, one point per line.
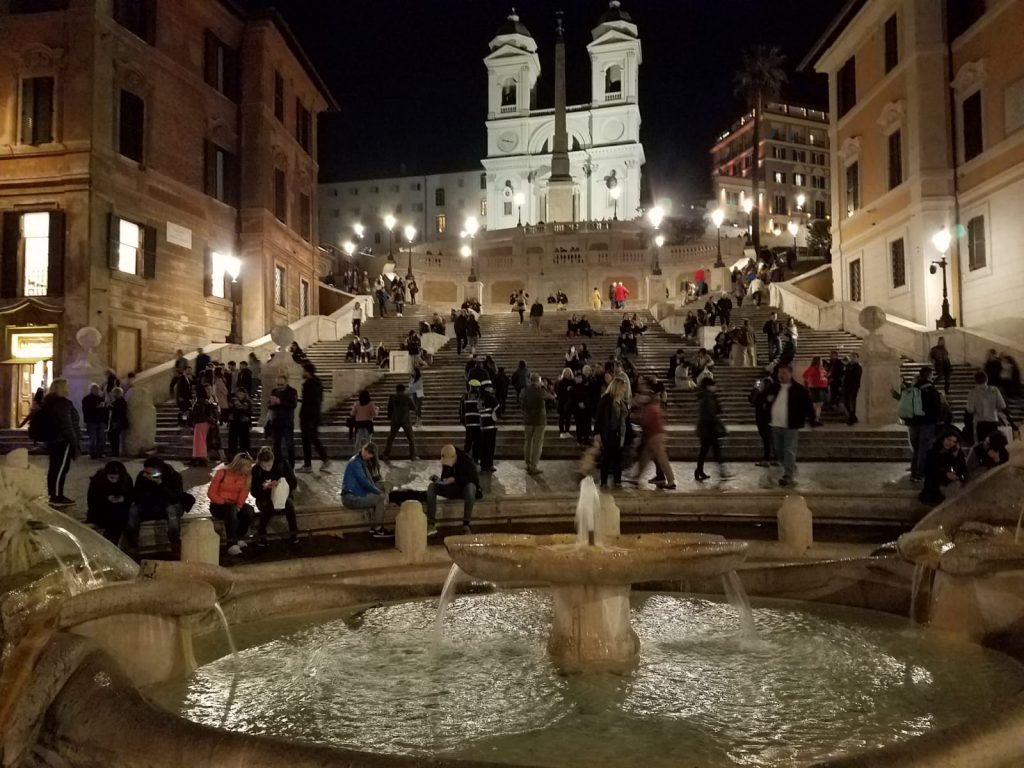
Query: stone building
x=927, y=122
x=794, y=156
x=150, y=150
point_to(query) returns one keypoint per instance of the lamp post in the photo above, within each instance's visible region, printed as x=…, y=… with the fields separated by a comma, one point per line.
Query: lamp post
x=232, y=268
x=717, y=217
x=794, y=230
x=519, y=199
x=410, y=235
x=471, y=228
x=389, y=222
x=748, y=207
x=615, y=192
x=655, y=215
x=942, y=240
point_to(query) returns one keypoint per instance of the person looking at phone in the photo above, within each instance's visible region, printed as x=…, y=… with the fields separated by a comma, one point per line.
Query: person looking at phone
x=159, y=495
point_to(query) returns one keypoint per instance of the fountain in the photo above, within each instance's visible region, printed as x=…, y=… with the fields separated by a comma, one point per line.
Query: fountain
x=590, y=577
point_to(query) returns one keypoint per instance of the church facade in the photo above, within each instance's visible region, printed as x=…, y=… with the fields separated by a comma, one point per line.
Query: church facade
x=606, y=155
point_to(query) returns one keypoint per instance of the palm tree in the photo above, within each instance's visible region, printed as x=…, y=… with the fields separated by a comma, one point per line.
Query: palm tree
x=759, y=81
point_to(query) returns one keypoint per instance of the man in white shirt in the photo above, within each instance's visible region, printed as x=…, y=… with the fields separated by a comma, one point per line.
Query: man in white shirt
x=789, y=406
x=985, y=403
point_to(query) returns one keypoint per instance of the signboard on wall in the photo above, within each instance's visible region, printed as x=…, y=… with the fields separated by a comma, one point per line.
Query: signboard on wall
x=31, y=346
x=179, y=235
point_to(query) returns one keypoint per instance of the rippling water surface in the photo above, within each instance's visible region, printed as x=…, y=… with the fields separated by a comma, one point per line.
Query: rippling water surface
x=819, y=682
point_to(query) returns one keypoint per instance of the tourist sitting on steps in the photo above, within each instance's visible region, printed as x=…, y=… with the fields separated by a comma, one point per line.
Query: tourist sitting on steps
x=360, y=491
x=228, y=493
x=110, y=496
x=267, y=475
x=945, y=464
x=159, y=495
x=459, y=479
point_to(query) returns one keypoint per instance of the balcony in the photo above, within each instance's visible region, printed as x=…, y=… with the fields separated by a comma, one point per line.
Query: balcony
x=508, y=109
x=613, y=96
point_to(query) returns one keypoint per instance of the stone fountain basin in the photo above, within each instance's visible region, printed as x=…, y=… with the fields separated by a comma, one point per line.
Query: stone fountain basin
x=558, y=559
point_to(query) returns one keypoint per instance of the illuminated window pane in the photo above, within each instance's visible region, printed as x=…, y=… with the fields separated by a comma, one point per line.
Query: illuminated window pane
x=128, y=247
x=217, y=274
x=35, y=231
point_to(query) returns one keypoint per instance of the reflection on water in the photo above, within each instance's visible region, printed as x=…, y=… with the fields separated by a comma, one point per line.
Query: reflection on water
x=817, y=682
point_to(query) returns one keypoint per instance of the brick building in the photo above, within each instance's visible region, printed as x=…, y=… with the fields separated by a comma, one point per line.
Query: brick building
x=150, y=149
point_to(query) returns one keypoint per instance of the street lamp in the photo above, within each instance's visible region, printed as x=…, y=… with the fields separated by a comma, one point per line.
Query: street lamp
x=801, y=200
x=655, y=215
x=410, y=235
x=794, y=230
x=615, y=192
x=349, y=248
x=358, y=229
x=389, y=222
x=942, y=240
x=717, y=217
x=748, y=207
x=471, y=227
x=519, y=199
x=232, y=268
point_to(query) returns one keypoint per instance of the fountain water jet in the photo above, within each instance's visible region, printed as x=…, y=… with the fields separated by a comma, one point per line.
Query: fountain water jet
x=447, y=595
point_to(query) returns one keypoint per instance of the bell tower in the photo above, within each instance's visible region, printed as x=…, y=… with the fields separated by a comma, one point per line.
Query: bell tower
x=615, y=58
x=512, y=70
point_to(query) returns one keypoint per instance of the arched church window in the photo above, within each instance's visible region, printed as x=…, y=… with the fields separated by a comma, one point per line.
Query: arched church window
x=508, y=93
x=613, y=79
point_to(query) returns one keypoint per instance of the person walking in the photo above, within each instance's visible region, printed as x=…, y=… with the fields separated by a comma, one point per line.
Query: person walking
x=772, y=330
x=283, y=401
x=184, y=387
x=535, y=398
x=239, y=419
x=536, y=315
x=563, y=395
x=267, y=474
x=789, y=407
x=938, y=356
x=459, y=479
x=361, y=417
x=652, y=422
x=611, y=428
x=835, y=369
x=357, y=318
x=489, y=408
x=401, y=407
x=747, y=342
x=710, y=431
x=461, y=339
x=596, y=300
x=519, y=305
x=310, y=415
x=56, y=424
x=472, y=333
x=469, y=418
x=228, y=492
x=360, y=491
x=762, y=418
x=985, y=406
x=94, y=414
x=852, y=376
x=920, y=409
x=256, y=367
x=816, y=380
x=416, y=391
x=117, y=420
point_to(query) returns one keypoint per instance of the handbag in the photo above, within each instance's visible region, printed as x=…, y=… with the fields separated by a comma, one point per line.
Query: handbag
x=279, y=495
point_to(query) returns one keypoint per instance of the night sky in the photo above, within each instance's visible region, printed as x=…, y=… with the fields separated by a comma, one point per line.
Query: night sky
x=409, y=78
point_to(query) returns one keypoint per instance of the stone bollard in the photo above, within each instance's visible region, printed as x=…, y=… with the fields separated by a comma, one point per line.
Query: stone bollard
x=200, y=542
x=607, y=524
x=411, y=532
x=796, y=525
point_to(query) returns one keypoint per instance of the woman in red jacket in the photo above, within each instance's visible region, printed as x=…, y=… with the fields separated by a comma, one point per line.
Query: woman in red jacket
x=228, y=493
x=816, y=381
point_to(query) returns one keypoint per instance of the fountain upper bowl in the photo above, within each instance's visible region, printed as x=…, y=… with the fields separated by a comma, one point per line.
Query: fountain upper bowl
x=559, y=559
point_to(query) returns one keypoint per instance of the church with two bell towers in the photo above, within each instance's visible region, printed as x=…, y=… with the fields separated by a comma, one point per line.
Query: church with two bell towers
x=602, y=137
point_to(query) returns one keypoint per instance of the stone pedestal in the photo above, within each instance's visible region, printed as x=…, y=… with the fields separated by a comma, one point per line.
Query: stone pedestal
x=141, y=435
x=706, y=336
x=399, y=362
x=87, y=368
x=473, y=292
x=411, y=532
x=590, y=628
x=432, y=342
x=796, y=524
x=719, y=279
x=881, y=363
x=200, y=542
x=280, y=364
x=656, y=285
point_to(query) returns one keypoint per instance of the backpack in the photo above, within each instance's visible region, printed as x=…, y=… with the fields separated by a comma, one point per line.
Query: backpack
x=42, y=427
x=910, y=405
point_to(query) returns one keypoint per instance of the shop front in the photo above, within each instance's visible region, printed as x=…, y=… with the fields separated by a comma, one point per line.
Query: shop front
x=30, y=349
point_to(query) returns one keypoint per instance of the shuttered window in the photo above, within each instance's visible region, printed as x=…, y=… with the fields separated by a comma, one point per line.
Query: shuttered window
x=131, y=126
x=220, y=174
x=220, y=66
x=37, y=110
x=32, y=254
x=132, y=247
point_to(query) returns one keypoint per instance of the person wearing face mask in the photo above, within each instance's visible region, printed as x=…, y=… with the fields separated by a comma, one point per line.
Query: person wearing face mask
x=267, y=475
x=110, y=497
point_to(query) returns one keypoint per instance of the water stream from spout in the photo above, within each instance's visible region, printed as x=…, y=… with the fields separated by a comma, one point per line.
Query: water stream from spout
x=66, y=571
x=738, y=599
x=90, y=576
x=234, y=662
x=587, y=509
x=915, y=589
x=1020, y=518
x=447, y=595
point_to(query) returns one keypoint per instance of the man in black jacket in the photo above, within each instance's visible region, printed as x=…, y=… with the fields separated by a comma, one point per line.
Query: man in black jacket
x=459, y=324
x=183, y=393
x=309, y=420
x=401, y=407
x=789, y=408
x=159, y=495
x=459, y=479
x=772, y=330
x=851, y=387
x=282, y=402
x=56, y=424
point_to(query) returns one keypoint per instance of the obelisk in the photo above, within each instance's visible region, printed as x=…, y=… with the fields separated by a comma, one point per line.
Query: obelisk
x=560, y=185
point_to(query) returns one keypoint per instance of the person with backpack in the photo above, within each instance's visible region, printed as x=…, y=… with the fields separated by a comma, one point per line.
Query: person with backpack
x=920, y=409
x=56, y=424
